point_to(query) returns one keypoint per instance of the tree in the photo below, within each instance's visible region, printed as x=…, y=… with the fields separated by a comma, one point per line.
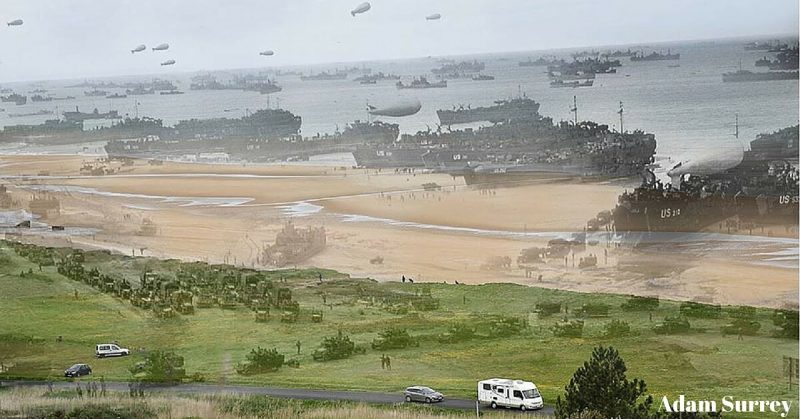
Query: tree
x=787, y=321
x=600, y=386
x=161, y=367
x=261, y=360
x=336, y=347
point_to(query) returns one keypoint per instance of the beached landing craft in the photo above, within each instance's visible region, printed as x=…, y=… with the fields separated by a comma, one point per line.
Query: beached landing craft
x=16, y=22
x=138, y=48
x=161, y=47
x=168, y=62
x=435, y=16
x=267, y=53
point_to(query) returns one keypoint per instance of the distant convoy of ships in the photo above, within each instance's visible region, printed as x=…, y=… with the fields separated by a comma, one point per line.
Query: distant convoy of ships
x=517, y=145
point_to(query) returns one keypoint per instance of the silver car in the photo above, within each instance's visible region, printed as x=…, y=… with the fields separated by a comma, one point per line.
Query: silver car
x=423, y=394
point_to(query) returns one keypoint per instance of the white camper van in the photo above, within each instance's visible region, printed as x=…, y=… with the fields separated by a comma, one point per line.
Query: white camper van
x=509, y=393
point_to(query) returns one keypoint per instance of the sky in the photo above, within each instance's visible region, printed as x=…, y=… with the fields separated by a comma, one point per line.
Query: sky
x=93, y=38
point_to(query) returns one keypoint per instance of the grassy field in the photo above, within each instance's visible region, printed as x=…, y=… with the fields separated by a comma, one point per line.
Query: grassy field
x=702, y=364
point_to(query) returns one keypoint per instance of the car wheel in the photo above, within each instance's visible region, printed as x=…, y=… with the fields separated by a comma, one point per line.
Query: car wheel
x=427, y=400
x=494, y=405
x=523, y=408
x=408, y=399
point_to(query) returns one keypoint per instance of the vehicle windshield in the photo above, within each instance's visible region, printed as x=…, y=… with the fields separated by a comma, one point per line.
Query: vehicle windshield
x=426, y=390
x=530, y=394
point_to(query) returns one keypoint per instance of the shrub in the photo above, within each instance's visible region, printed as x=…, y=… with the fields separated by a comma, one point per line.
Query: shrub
x=594, y=310
x=569, y=329
x=160, y=366
x=261, y=360
x=458, y=332
x=336, y=347
x=672, y=325
x=505, y=326
x=698, y=310
x=548, y=309
x=616, y=328
x=393, y=339
x=742, y=312
x=787, y=321
x=741, y=327
x=635, y=303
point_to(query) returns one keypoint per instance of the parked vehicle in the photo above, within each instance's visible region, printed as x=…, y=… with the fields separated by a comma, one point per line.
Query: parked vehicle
x=423, y=394
x=502, y=392
x=78, y=370
x=109, y=349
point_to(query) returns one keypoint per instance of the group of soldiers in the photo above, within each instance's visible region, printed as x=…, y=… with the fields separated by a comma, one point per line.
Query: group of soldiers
x=386, y=362
x=91, y=388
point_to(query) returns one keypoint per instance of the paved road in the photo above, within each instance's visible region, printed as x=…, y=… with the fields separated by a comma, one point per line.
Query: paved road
x=290, y=393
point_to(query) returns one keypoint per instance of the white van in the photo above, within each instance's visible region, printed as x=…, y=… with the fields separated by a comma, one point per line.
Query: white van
x=109, y=349
x=503, y=392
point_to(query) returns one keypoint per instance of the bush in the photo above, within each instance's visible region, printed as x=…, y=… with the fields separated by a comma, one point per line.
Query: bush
x=161, y=367
x=635, y=303
x=698, y=310
x=672, y=325
x=548, y=309
x=787, y=321
x=336, y=347
x=458, y=332
x=505, y=326
x=616, y=328
x=261, y=360
x=98, y=411
x=594, y=310
x=569, y=329
x=393, y=339
x=741, y=327
x=742, y=312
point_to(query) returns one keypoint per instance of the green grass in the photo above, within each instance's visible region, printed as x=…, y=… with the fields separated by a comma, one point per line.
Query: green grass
x=703, y=364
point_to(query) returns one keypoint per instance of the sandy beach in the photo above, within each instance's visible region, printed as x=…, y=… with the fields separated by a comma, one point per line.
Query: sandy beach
x=450, y=232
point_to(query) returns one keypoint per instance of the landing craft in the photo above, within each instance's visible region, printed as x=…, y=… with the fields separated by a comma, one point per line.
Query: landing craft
x=18, y=22
x=706, y=165
x=161, y=47
x=140, y=48
x=267, y=53
x=396, y=110
x=435, y=16
x=168, y=62
x=363, y=7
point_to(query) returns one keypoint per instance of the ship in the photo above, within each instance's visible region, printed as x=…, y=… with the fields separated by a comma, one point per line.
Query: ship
x=746, y=76
x=517, y=148
x=37, y=113
x=655, y=56
x=339, y=75
x=95, y=92
x=421, y=83
x=116, y=96
x=473, y=66
x=139, y=90
x=16, y=98
x=40, y=98
x=574, y=83
x=502, y=110
x=541, y=61
x=170, y=92
x=78, y=116
x=372, y=78
x=482, y=77
x=761, y=189
x=364, y=132
x=293, y=245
